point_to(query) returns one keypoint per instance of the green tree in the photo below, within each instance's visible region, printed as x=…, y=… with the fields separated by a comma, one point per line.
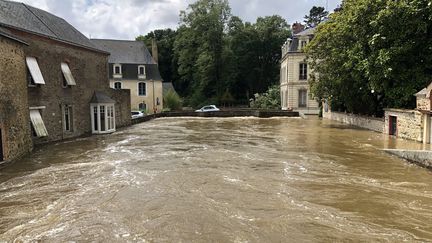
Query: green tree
x=315, y=17
x=165, y=42
x=267, y=100
x=199, y=47
x=373, y=54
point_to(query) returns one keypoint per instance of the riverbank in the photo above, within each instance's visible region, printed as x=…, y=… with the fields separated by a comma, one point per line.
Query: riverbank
x=222, y=113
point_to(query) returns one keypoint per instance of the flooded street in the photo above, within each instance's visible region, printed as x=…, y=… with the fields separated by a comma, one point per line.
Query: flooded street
x=218, y=180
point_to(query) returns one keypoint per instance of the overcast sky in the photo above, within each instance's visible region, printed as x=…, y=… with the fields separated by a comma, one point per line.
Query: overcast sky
x=126, y=19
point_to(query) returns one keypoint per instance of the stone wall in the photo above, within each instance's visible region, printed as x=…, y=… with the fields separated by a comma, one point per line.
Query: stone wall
x=423, y=103
x=14, y=112
x=122, y=106
x=409, y=123
x=90, y=71
x=367, y=122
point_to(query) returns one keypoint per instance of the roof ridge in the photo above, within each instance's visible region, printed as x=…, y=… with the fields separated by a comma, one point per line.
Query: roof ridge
x=115, y=40
x=27, y=7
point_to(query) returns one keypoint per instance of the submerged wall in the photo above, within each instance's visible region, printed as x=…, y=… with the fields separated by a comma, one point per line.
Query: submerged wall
x=367, y=122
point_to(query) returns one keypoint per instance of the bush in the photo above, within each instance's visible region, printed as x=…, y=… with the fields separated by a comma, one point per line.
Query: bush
x=172, y=101
x=268, y=100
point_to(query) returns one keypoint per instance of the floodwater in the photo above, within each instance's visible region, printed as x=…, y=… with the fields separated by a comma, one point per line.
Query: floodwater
x=218, y=180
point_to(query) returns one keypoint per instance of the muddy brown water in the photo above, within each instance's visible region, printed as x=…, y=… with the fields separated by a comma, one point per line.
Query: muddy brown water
x=218, y=180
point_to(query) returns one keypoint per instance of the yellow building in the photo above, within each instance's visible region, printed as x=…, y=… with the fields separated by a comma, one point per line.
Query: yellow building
x=294, y=74
x=132, y=67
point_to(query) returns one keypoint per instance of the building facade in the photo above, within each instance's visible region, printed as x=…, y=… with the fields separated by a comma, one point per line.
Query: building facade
x=132, y=67
x=63, y=72
x=294, y=74
x=15, y=137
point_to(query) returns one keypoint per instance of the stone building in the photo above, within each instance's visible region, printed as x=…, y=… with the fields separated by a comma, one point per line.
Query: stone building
x=15, y=138
x=65, y=72
x=132, y=67
x=412, y=124
x=294, y=73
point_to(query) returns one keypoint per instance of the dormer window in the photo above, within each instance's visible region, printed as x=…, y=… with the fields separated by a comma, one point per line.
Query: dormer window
x=303, y=44
x=141, y=72
x=117, y=71
x=35, y=76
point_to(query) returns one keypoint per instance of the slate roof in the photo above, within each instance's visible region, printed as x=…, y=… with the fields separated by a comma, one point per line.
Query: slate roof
x=309, y=31
x=125, y=51
x=166, y=87
x=152, y=72
x=27, y=18
x=7, y=34
x=100, y=97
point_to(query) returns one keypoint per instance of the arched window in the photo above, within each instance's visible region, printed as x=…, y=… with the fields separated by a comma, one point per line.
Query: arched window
x=142, y=89
x=142, y=106
x=117, y=85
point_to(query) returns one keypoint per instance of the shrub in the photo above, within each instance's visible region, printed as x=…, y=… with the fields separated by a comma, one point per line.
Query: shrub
x=267, y=100
x=172, y=101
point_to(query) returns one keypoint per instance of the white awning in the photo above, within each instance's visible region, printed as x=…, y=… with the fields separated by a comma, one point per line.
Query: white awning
x=35, y=70
x=38, y=124
x=67, y=74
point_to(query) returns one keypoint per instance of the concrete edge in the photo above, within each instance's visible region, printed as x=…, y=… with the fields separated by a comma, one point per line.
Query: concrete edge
x=422, y=158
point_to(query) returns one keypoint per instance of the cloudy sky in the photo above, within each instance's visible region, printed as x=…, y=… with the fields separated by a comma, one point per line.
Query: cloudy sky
x=126, y=19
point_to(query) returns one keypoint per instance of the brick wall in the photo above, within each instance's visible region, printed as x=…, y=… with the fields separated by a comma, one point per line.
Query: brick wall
x=14, y=112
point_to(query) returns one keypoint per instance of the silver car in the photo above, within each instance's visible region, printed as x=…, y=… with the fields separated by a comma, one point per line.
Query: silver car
x=208, y=108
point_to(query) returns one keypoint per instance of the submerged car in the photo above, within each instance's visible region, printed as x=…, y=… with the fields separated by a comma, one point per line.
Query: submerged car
x=137, y=114
x=208, y=108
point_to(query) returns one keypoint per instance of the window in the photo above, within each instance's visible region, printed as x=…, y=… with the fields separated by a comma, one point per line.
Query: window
x=142, y=106
x=303, y=71
x=142, y=89
x=302, y=98
x=67, y=118
x=35, y=72
x=141, y=72
x=117, y=71
x=67, y=75
x=37, y=122
x=303, y=44
x=117, y=85
x=102, y=118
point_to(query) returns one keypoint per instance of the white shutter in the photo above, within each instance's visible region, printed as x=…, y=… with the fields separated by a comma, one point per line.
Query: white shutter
x=38, y=124
x=67, y=74
x=35, y=70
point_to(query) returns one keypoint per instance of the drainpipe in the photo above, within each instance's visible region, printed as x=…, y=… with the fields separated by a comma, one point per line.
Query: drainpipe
x=154, y=107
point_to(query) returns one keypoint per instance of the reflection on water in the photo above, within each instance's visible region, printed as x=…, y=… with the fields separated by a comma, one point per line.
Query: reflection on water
x=223, y=180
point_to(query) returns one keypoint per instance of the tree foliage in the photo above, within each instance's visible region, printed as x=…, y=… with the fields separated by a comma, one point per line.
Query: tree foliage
x=165, y=42
x=373, y=54
x=267, y=100
x=172, y=101
x=315, y=17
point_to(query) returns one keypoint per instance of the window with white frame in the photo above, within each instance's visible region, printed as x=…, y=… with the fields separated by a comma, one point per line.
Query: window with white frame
x=67, y=118
x=102, y=118
x=37, y=122
x=35, y=76
x=117, y=70
x=303, y=71
x=68, y=79
x=117, y=85
x=141, y=72
x=142, y=89
x=302, y=98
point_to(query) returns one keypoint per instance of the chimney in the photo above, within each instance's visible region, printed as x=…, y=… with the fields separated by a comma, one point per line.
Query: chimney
x=297, y=28
x=155, y=51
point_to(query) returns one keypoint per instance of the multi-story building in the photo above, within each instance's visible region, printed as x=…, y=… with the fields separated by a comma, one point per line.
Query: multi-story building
x=132, y=67
x=61, y=77
x=294, y=73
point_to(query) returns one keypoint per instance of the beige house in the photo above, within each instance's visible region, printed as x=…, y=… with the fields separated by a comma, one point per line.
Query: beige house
x=132, y=67
x=294, y=74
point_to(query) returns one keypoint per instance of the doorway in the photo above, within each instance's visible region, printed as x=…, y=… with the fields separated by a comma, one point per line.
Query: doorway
x=393, y=125
x=1, y=146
